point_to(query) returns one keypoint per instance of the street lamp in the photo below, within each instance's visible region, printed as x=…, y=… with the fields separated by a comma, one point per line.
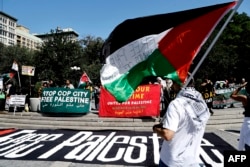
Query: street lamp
x=75, y=68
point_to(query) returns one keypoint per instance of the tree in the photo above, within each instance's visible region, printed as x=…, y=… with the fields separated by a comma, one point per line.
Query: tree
x=91, y=60
x=56, y=57
x=228, y=57
x=22, y=55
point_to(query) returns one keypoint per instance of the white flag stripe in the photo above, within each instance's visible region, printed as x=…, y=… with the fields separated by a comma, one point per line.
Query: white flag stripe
x=125, y=58
x=14, y=66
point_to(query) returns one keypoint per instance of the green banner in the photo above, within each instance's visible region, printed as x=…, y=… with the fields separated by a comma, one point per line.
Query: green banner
x=222, y=97
x=67, y=101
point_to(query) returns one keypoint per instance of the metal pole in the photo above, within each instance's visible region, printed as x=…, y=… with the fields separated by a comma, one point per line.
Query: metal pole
x=213, y=42
x=30, y=85
x=19, y=81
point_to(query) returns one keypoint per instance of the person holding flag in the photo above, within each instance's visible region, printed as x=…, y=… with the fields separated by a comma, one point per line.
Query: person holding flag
x=85, y=83
x=182, y=127
x=165, y=45
x=16, y=69
x=84, y=80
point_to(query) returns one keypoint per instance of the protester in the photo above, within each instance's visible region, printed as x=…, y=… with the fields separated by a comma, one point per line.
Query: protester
x=208, y=92
x=45, y=85
x=244, y=142
x=11, y=90
x=89, y=87
x=68, y=84
x=97, y=91
x=243, y=81
x=220, y=84
x=162, y=98
x=51, y=84
x=167, y=93
x=182, y=127
x=232, y=82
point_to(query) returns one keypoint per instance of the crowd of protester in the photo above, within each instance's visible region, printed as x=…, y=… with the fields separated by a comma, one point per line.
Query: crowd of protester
x=206, y=87
x=10, y=87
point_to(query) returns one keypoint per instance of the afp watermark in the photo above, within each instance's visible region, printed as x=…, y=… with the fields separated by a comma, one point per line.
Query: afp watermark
x=236, y=158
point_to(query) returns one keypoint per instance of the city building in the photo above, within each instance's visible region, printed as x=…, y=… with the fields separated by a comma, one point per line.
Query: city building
x=25, y=39
x=68, y=33
x=7, y=29
x=13, y=34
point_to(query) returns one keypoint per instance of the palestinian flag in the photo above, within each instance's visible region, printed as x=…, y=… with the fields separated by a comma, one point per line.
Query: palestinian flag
x=8, y=75
x=83, y=80
x=159, y=45
x=14, y=66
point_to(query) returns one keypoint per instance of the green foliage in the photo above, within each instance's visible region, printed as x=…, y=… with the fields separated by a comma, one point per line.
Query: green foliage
x=91, y=63
x=8, y=54
x=91, y=49
x=230, y=55
x=22, y=55
x=58, y=55
x=55, y=59
x=37, y=89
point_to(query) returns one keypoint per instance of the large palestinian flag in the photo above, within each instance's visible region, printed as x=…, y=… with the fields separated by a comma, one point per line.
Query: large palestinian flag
x=159, y=45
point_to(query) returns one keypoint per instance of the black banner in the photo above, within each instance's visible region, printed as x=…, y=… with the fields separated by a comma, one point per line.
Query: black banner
x=98, y=147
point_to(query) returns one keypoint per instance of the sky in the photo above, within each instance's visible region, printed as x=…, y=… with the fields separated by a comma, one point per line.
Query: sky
x=94, y=17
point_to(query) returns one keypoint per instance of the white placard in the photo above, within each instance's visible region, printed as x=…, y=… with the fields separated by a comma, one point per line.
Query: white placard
x=28, y=70
x=17, y=100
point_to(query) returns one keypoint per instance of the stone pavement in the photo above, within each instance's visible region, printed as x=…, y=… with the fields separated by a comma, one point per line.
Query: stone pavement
x=222, y=119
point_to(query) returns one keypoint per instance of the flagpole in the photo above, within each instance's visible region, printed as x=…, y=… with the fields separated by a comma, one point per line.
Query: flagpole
x=7, y=81
x=213, y=43
x=19, y=80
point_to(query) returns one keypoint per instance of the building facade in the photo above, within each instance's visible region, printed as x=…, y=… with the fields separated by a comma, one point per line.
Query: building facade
x=13, y=34
x=25, y=39
x=68, y=33
x=7, y=29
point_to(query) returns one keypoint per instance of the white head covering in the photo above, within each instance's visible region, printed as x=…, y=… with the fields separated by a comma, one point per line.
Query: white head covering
x=163, y=82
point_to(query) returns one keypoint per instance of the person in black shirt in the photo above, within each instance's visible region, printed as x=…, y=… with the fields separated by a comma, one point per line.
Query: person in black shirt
x=207, y=91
